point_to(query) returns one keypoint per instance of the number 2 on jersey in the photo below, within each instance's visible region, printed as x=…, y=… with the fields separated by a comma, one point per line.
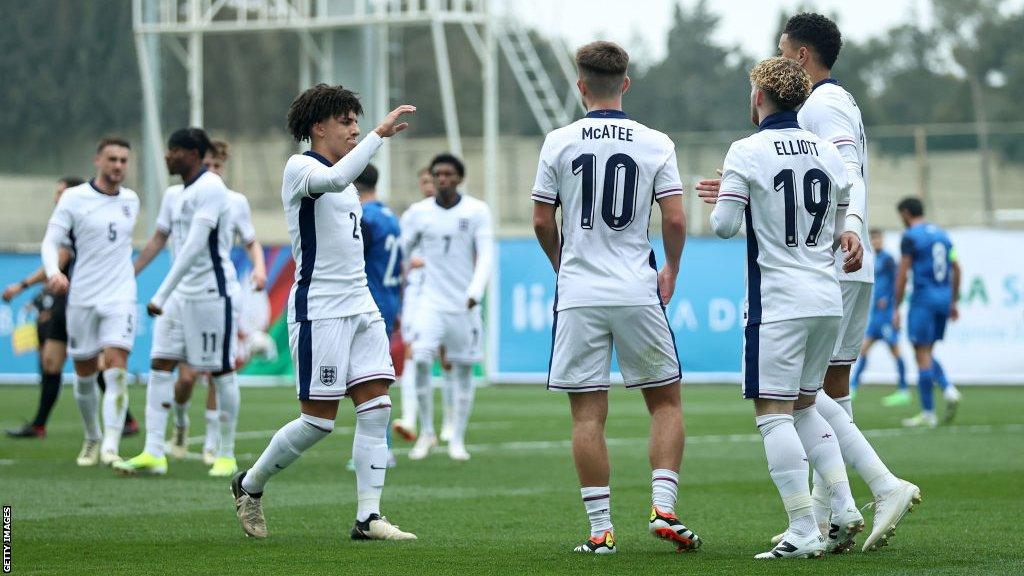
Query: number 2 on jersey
x=785, y=182
x=587, y=165
x=391, y=274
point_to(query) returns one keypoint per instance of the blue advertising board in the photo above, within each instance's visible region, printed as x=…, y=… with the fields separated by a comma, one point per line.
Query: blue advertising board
x=706, y=312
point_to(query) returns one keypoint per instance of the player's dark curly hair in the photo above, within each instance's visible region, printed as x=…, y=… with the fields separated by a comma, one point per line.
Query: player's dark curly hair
x=368, y=179
x=317, y=104
x=191, y=139
x=447, y=158
x=818, y=32
x=912, y=206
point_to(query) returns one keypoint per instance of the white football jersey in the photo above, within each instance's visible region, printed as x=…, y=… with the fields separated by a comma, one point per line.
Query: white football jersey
x=791, y=182
x=204, y=198
x=447, y=239
x=98, y=227
x=606, y=171
x=413, y=276
x=241, y=218
x=330, y=271
x=832, y=114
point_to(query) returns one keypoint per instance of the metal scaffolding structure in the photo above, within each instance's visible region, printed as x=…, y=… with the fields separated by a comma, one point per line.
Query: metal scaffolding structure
x=347, y=39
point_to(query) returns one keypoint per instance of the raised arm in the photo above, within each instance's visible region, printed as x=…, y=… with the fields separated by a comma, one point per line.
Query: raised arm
x=323, y=179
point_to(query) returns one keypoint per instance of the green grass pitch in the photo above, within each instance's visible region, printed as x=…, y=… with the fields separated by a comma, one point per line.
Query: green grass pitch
x=515, y=507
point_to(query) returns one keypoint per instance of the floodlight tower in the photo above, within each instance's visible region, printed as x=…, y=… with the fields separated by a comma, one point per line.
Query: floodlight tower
x=340, y=40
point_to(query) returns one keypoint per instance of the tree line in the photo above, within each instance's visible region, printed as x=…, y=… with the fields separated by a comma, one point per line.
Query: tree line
x=69, y=74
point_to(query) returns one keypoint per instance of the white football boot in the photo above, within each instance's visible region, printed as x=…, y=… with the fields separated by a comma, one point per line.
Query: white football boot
x=796, y=546
x=890, y=508
x=422, y=447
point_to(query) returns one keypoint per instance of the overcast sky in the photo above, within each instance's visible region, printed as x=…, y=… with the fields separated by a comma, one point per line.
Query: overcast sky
x=641, y=25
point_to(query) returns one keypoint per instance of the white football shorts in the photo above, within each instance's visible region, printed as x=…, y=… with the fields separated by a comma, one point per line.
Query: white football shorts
x=581, y=353
x=461, y=334
x=91, y=329
x=856, y=311
x=786, y=358
x=334, y=354
x=202, y=332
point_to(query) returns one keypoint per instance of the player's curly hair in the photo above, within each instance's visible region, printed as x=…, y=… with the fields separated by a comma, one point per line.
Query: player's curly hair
x=317, y=104
x=784, y=81
x=819, y=32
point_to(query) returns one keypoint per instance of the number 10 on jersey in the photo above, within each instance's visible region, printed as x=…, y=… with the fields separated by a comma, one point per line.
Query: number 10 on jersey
x=617, y=164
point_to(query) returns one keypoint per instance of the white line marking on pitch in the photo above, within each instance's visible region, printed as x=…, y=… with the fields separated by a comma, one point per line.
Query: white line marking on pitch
x=698, y=439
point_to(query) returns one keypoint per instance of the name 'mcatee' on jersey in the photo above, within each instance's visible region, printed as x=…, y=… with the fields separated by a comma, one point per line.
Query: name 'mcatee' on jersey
x=606, y=171
x=791, y=182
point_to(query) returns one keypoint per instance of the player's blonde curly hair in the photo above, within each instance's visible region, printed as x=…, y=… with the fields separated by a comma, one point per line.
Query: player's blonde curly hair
x=784, y=81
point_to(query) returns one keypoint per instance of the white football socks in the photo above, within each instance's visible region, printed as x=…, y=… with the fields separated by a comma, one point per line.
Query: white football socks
x=857, y=451
x=159, y=397
x=88, y=399
x=787, y=465
x=408, y=388
x=463, y=402
x=211, y=442
x=228, y=401
x=598, y=502
x=664, y=485
x=824, y=455
x=448, y=385
x=370, y=453
x=115, y=407
x=285, y=447
x=424, y=397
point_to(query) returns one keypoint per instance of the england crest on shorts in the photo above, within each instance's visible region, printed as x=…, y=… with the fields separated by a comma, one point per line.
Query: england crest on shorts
x=328, y=375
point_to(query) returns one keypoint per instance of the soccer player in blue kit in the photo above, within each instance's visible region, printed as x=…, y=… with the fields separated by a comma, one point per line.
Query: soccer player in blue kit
x=381, y=248
x=880, y=322
x=928, y=254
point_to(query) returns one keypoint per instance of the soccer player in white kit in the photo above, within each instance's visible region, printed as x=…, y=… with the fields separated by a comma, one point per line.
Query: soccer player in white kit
x=411, y=290
x=606, y=171
x=242, y=229
x=337, y=335
x=832, y=113
x=791, y=189
x=455, y=239
x=198, y=327
x=97, y=219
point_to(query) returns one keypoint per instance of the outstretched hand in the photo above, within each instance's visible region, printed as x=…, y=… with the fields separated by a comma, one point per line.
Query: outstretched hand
x=390, y=125
x=707, y=189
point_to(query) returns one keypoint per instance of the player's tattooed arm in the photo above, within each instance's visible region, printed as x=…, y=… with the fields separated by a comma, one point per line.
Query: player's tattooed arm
x=546, y=228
